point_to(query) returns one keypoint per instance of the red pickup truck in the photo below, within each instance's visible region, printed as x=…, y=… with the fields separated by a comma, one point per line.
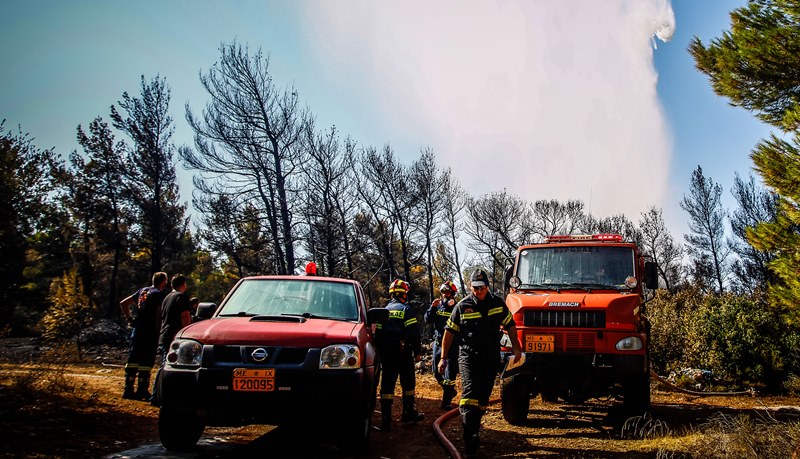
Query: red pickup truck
x=279, y=350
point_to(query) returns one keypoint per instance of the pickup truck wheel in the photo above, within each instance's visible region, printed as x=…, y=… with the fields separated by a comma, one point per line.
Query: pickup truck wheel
x=178, y=430
x=356, y=436
x=636, y=395
x=516, y=399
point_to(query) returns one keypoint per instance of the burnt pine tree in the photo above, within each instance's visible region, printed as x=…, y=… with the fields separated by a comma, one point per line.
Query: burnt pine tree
x=247, y=142
x=428, y=184
x=755, y=65
x=327, y=192
x=657, y=243
x=99, y=205
x=150, y=181
x=756, y=205
x=454, y=201
x=707, y=224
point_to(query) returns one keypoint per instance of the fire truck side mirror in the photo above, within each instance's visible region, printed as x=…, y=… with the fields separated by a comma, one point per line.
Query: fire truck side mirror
x=651, y=274
x=507, y=276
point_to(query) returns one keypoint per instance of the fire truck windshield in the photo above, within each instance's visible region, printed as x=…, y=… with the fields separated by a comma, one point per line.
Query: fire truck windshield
x=580, y=266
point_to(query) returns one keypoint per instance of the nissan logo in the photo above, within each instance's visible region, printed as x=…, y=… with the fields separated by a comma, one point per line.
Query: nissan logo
x=259, y=355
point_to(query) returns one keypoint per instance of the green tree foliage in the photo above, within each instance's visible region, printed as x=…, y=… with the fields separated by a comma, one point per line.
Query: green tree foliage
x=71, y=311
x=160, y=223
x=755, y=65
x=27, y=180
x=738, y=337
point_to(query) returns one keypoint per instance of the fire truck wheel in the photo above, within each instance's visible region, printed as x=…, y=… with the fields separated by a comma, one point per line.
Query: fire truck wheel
x=636, y=395
x=516, y=399
x=549, y=395
x=178, y=429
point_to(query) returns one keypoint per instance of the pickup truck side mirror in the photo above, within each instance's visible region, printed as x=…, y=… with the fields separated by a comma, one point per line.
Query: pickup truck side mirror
x=205, y=310
x=377, y=315
x=651, y=275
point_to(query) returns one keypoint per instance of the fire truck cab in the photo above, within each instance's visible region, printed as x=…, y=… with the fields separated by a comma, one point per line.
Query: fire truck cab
x=578, y=302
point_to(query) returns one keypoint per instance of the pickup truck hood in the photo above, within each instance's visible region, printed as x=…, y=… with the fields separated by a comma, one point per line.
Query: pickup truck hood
x=243, y=330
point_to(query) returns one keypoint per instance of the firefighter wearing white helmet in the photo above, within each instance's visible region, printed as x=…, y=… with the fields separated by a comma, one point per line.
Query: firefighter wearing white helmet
x=398, y=342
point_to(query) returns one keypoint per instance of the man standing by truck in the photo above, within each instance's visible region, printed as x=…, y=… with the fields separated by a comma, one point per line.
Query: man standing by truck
x=476, y=320
x=398, y=342
x=144, y=338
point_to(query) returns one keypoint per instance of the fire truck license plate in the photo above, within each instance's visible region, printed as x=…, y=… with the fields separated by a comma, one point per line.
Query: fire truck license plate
x=539, y=343
x=261, y=380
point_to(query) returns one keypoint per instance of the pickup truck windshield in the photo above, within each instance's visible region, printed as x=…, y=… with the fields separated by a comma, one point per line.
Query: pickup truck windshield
x=281, y=297
x=567, y=266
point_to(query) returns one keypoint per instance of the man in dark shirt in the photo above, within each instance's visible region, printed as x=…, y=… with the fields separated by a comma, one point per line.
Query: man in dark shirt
x=176, y=313
x=144, y=338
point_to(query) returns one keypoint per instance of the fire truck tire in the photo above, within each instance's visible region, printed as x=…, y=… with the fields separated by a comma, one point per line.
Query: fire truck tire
x=636, y=395
x=516, y=400
x=178, y=429
x=549, y=395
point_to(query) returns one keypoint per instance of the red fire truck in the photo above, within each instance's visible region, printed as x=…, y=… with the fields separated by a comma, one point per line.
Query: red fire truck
x=578, y=302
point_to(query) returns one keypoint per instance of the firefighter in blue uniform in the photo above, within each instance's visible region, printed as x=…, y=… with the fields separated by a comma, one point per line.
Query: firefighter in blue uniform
x=438, y=315
x=399, y=345
x=476, y=320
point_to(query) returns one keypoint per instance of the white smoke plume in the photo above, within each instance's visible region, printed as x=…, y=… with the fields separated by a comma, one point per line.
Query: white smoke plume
x=547, y=99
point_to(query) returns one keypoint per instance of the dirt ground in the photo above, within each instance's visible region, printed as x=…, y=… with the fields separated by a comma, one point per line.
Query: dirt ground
x=74, y=410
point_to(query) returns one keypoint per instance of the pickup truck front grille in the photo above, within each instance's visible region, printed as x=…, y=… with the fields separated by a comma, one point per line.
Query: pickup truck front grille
x=568, y=319
x=275, y=355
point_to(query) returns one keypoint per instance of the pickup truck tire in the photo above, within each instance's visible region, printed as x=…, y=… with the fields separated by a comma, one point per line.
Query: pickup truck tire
x=178, y=429
x=356, y=436
x=636, y=395
x=516, y=399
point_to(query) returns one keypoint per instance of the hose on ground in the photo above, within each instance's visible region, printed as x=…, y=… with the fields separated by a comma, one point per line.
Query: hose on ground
x=750, y=392
x=437, y=430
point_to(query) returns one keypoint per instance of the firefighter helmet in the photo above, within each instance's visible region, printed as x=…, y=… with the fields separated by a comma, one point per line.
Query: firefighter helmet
x=399, y=286
x=448, y=286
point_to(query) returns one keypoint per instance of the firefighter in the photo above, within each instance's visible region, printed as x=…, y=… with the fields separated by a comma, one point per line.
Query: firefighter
x=438, y=314
x=476, y=320
x=399, y=345
x=144, y=338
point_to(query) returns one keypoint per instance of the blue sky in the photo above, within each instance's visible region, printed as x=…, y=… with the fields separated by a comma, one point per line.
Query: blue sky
x=559, y=100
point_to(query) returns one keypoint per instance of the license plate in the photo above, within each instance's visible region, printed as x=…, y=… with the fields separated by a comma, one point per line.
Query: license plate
x=261, y=380
x=540, y=343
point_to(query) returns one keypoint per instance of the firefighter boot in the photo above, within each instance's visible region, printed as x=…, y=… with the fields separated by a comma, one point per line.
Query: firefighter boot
x=448, y=392
x=143, y=392
x=386, y=415
x=130, y=380
x=410, y=414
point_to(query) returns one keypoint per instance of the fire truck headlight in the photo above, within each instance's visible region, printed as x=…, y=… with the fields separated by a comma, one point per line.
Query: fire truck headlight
x=631, y=282
x=631, y=343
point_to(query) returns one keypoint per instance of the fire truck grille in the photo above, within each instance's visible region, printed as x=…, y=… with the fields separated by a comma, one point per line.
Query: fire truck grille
x=569, y=319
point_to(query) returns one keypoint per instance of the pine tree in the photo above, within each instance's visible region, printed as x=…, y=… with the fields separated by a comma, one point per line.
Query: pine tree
x=756, y=66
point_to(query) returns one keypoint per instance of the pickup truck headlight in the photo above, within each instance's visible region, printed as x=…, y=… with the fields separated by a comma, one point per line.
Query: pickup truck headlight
x=185, y=352
x=340, y=356
x=631, y=343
